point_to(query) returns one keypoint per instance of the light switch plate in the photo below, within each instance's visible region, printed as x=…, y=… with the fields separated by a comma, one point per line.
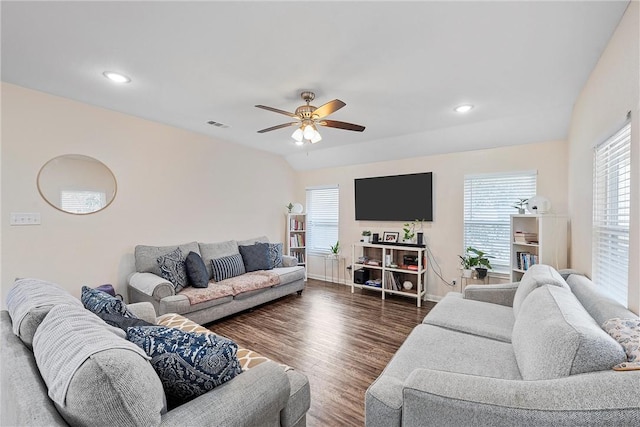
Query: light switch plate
x=24, y=218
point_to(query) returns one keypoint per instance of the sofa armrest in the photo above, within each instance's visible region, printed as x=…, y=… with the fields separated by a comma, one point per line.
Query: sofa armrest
x=143, y=310
x=446, y=398
x=496, y=294
x=253, y=398
x=289, y=261
x=151, y=285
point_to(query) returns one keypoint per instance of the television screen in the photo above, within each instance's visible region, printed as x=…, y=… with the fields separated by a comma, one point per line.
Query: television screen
x=394, y=198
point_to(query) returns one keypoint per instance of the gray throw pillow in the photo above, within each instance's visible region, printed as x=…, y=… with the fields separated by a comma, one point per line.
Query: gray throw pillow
x=173, y=269
x=196, y=271
x=226, y=267
x=256, y=257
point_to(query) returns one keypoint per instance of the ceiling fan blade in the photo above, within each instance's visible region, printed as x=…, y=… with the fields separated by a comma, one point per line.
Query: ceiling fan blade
x=328, y=108
x=275, y=110
x=341, y=125
x=285, y=125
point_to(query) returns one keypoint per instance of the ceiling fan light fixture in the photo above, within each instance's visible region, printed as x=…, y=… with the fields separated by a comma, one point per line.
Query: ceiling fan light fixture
x=309, y=131
x=299, y=142
x=116, y=77
x=465, y=108
x=297, y=135
x=316, y=137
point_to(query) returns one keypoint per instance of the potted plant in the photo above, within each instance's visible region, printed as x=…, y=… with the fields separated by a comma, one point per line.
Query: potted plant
x=520, y=204
x=465, y=263
x=479, y=261
x=409, y=230
x=289, y=206
x=366, y=236
x=335, y=250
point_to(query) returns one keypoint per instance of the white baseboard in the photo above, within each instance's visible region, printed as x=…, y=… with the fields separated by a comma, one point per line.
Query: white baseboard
x=326, y=279
x=432, y=298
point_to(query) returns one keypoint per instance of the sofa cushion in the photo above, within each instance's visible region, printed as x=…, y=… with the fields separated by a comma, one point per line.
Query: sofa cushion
x=536, y=276
x=226, y=267
x=196, y=271
x=256, y=257
x=289, y=274
x=98, y=302
x=473, y=317
x=210, y=251
x=173, y=268
x=554, y=337
x=275, y=254
x=29, y=301
x=147, y=256
x=94, y=375
x=599, y=306
x=188, y=364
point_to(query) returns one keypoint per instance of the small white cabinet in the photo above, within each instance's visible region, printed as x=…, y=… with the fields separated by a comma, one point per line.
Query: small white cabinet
x=385, y=264
x=537, y=239
x=297, y=238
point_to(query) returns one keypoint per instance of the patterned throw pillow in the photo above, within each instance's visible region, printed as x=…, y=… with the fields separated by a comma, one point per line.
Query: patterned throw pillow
x=627, y=333
x=173, y=269
x=256, y=257
x=196, y=271
x=122, y=322
x=275, y=254
x=226, y=267
x=188, y=364
x=99, y=302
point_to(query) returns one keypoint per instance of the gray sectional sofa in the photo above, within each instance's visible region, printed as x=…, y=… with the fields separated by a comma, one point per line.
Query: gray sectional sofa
x=117, y=387
x=148, y=285
x=529, y=353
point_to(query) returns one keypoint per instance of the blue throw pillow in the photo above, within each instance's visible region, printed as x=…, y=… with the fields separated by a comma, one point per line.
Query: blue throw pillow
x=173, y=269
x=226, y=267
x=188, y=364
x=99, y=302
x=275, y=254
x=256, y=257
x=196, y=271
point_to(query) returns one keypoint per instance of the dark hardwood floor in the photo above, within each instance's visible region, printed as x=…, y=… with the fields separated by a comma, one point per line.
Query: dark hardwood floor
x=340, y=341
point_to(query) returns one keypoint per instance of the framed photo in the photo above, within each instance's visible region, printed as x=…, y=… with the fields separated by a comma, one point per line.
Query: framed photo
x=390, y=236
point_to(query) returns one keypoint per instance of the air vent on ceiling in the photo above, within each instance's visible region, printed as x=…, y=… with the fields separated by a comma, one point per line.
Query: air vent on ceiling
x=217, y=124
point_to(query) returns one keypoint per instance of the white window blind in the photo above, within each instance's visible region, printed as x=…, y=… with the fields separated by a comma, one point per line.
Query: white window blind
x=82, y=201
x=488, y=205
x=611, y=204
x=322, y=219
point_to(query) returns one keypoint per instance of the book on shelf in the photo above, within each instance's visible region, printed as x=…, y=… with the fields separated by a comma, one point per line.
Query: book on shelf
x=525, y=260
x=296, y=240
x=524, y=237
x=392, y=281
x=296, y=225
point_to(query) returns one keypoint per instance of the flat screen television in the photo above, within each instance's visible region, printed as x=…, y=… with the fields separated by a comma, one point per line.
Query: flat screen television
x=395, y=198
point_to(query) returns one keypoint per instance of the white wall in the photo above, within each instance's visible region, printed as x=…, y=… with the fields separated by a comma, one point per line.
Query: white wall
x=174, y=186
x=611, y=91
x=445, y=234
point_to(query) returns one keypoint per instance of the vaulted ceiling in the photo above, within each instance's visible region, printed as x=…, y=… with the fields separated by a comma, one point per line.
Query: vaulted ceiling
x=401, y=68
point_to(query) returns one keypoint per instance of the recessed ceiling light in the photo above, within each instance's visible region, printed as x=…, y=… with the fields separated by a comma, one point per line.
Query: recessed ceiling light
x=116, y=77
x=463, y=108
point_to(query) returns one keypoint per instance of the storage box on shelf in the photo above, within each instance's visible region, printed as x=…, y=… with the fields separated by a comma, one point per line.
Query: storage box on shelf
x=297, y=238
x=386, y=268
x=537, y=239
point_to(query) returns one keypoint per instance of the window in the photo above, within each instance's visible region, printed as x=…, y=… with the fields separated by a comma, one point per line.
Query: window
x=488, y=204
x=611, y=205
x=322, y=219
x=82, y=201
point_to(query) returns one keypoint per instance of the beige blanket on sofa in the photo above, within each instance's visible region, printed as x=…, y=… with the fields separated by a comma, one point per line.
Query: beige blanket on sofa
x=233, y=286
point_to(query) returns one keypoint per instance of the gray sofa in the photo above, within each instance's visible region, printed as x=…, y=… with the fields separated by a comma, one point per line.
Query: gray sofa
x=147, y=284
x=117, y=387
x=528, y=353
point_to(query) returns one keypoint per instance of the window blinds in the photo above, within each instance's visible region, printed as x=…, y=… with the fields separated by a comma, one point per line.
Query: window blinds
x=488, y=205
x=611, y=209
x=322, y=219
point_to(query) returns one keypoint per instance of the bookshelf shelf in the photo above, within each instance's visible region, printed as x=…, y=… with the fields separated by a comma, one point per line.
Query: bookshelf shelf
x=550, y=233
x=297, y=238
x=391, y=278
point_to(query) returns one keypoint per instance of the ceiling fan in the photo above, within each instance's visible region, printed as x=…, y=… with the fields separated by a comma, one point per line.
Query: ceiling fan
x=309, y=117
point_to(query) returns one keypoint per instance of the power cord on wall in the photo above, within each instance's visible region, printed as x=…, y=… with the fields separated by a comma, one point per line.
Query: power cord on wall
x=436, y=267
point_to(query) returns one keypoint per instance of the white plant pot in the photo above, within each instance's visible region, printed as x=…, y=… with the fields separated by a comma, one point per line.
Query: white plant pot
x=366, y=239
x=466, y=273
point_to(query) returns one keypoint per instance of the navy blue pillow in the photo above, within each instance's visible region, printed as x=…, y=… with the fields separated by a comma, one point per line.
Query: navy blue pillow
x=173, y=269
x=122, y=322
x=99, y=302
x=188, y=364
x=256, y=257
x=196, y=271
x=275, y=254
x=227, y=266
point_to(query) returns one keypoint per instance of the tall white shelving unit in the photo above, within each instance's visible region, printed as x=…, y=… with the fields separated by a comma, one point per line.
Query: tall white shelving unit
x=379, y=253
x=550, y=246
x=297, y=238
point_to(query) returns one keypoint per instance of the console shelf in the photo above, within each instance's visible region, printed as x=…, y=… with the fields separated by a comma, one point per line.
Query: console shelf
x=391, y=278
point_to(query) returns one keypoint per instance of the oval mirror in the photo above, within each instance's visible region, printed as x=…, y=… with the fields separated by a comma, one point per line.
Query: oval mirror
x=77, y=184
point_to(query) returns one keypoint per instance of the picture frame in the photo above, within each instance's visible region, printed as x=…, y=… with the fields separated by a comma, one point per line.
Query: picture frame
x=390, y=236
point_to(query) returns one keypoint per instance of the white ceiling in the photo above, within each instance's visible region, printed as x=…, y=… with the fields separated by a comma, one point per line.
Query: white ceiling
x=401, y=68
